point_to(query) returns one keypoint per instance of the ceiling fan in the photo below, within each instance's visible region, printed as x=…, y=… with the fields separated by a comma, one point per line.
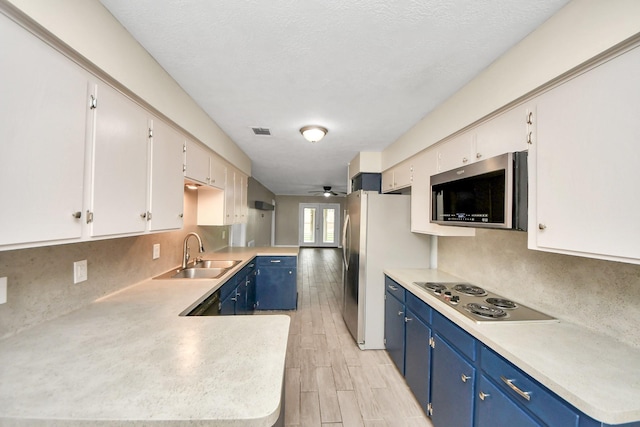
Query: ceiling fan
x=326, y=192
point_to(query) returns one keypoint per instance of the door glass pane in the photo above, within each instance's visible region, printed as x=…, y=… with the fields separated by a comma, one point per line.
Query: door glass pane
x=309, y=225
x=328, y=222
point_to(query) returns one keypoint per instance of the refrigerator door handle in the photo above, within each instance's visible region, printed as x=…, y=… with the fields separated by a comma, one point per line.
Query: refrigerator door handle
x=345, y=248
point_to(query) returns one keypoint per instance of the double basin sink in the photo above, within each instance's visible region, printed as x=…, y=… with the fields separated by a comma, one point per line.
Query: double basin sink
x=201, y=269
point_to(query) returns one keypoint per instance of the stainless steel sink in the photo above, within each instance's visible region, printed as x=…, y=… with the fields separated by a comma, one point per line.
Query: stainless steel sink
x=215, y=263
x=204, y=269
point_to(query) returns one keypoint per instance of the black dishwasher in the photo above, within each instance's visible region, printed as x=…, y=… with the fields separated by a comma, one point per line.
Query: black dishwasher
x=208, y=307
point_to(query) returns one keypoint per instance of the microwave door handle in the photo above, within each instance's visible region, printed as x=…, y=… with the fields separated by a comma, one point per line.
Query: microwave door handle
x=345, y=248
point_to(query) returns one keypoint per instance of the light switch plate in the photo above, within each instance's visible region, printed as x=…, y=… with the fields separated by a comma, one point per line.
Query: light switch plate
x=80, y=271
x=3, y=290
x=156, y=251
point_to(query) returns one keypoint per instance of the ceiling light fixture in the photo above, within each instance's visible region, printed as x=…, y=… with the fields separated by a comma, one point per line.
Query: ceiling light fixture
x=313, y=133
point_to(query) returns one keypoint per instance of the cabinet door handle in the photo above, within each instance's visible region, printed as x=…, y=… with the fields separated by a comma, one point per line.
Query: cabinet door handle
x=478, y=155
x=482, y=395
x=524, y=394
x=400, y=313
x=530, y=118
x=542, y=226
x=464, y=378
x=465, y=160
x=77, y=215
x=530, y=138
x=407, y=319
x=393, y=288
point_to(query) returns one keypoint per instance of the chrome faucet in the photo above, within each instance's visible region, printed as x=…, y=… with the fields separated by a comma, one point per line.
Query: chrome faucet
x=185, y=248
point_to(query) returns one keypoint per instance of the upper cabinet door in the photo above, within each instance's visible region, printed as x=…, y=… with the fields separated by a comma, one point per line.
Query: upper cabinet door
x=584, y=195
x=120, y=154
x=505, y=133
x=456, y=152
x=197, y=163
x=43, y=110
x=167, y=180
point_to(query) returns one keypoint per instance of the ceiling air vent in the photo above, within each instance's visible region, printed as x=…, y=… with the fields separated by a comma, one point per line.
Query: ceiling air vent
x=261, y=131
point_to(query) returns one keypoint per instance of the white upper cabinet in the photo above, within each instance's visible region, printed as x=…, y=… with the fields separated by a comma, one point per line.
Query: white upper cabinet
x=425, y=164
x=456, y=152
x=217, y=172
x=43, y=111
x=166, y=182
x=584, y=164
x=197, y=163
x=398, y=177
x=120, y=162
x=507, y=132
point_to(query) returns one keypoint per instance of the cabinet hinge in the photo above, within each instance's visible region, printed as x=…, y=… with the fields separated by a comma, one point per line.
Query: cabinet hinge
x=89, y=217
x=93, y=103
x=432, y=343
x=150, y=133
x=184, y=168
x=184, y=147
x=430, y=409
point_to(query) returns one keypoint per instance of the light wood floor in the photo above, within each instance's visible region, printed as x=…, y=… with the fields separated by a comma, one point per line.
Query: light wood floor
x=329, y=380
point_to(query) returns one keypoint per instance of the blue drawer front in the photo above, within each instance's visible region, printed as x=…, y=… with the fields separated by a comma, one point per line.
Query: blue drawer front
x=276, y=261
x=392, y=287
x=418, y=307
x=458, y=338
x=543, y=403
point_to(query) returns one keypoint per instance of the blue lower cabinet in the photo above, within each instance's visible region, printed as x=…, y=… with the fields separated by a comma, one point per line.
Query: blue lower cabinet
x=394, y=330
x=452, y=386
x=495, y=409
x=251, y=288
x=276, y=283
x=417, y=362
x=228, y=304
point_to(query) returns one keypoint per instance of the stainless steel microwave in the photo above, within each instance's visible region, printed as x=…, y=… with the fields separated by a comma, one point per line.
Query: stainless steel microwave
x=489, y=194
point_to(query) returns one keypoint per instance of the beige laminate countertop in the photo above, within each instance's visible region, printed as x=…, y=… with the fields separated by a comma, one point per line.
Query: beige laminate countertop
x=597, y=374
x=131, y=359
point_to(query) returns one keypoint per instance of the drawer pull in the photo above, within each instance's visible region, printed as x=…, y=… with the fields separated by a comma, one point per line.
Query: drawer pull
x=464, y=378
x=275, y=260
x=483, y=395
x=525, y=394
x=393, y=288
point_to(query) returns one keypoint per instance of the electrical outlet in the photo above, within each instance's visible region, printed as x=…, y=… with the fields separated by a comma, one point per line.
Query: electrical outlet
x=3, y=290
x=80, y=271
x=156, y=251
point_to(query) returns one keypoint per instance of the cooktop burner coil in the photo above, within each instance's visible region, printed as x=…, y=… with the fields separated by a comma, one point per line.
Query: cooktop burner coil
x=485, y=311
x=502, y=303
x=470, y=290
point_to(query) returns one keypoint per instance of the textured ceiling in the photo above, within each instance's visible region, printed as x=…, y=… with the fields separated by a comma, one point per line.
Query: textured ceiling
x=367, y=70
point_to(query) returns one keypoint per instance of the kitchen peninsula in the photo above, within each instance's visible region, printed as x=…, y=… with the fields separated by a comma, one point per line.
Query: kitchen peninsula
x=131, y=359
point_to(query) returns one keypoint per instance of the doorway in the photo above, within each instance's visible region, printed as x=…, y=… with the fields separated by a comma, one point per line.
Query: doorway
x=319, y=225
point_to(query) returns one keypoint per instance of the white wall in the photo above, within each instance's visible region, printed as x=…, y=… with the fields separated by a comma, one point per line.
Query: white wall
x=577, y=33
x=89, y=28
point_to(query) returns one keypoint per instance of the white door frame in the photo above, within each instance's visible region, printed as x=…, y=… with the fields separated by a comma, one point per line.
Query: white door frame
x=319, y=224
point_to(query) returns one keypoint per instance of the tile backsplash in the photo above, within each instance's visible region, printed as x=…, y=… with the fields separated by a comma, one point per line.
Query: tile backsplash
x=603, y=296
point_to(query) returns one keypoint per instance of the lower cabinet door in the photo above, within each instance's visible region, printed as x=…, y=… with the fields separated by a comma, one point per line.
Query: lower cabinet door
x=495, y=409
x=452, y=379
x=241, y=297
x=228, y=305
x=394, y=330
x=251, y=291
x=417, y=358
x=276, y=288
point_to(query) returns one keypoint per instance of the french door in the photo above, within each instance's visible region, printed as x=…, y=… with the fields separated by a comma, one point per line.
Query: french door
x=319, y=224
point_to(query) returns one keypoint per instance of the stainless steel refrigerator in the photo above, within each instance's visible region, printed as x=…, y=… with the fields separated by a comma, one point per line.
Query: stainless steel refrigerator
x=376, y=235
